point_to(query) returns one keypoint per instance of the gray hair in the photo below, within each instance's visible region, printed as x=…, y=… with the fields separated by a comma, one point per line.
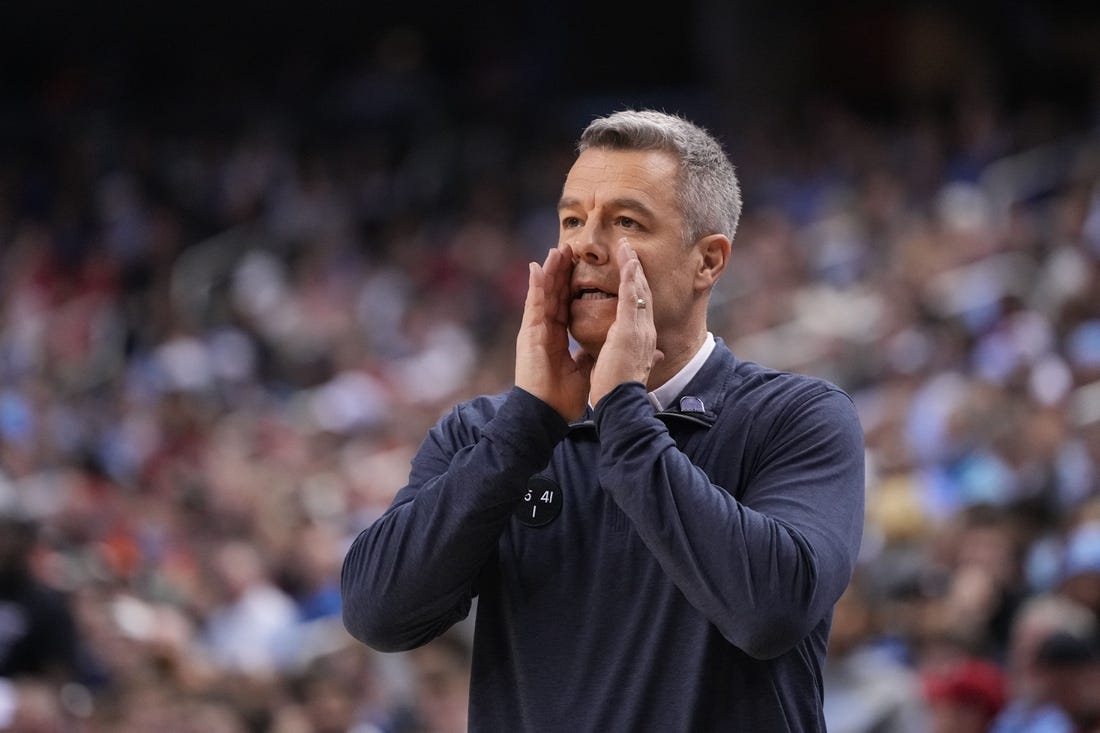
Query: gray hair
x=707, y=189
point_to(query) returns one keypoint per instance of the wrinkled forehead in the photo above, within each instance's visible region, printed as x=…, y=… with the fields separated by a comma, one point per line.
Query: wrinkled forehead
x=647, y=176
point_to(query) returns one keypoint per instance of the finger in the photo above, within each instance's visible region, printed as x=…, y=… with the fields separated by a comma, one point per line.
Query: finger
x=628, y=304
x=558, y=285
x=628, y=255
x=568, y=263
x=643, y=300
x=567, y=251
x=633, y=288
x=533, y=308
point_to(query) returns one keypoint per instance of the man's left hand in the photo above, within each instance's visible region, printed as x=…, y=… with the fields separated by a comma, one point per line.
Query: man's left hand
x=630, y=350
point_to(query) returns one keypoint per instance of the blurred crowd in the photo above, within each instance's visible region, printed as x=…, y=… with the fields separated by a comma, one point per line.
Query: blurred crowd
x=222, y=341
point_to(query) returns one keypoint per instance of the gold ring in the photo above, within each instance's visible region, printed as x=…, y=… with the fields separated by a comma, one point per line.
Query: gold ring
x=640, y=302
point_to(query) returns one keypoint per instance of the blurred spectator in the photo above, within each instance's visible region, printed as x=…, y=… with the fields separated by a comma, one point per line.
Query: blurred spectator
x=1072, y=664
x=964, y=696
x=44, y=664
x=31, y=707
x=250, y=617
x=441, y=671
x=312, y=574
x=1080, y=578
x=326, y=698
x=38, y=636
x=867, y=687
x=1043, y=630
x=974, y=580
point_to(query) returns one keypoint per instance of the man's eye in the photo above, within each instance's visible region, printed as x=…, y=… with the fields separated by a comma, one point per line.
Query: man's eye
x=570, y=222
x=626, y=221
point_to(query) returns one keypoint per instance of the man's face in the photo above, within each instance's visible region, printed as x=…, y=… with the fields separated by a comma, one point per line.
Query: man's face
x=609, y=196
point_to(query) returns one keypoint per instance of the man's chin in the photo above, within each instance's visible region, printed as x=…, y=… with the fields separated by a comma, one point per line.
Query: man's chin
x=591, y=340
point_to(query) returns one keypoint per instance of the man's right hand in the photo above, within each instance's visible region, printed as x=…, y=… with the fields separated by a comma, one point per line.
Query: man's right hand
x=544, y=366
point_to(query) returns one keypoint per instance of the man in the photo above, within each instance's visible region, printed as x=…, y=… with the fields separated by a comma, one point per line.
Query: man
x=656, y=531
x=1053, y=668
x=39, y=639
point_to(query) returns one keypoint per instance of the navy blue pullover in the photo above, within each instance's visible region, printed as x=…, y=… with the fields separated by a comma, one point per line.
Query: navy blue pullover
x=687, y=583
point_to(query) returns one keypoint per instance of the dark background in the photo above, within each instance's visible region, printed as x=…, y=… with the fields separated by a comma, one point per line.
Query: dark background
x=883, y=58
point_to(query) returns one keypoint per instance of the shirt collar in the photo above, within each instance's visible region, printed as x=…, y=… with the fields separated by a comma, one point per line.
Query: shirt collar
x=663, y=396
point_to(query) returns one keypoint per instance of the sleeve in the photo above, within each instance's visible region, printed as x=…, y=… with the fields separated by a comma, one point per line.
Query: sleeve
x=765, y=569
x=411, y=574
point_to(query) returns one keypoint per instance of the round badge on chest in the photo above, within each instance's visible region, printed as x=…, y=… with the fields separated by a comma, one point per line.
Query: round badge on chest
x=541, y=502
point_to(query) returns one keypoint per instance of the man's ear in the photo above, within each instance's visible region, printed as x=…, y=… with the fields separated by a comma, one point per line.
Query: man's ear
x=714, y=253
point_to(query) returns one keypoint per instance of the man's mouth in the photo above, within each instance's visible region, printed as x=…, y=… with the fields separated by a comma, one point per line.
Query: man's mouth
x=592, y=294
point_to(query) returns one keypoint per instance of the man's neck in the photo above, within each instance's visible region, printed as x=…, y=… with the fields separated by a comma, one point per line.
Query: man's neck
x=676, y=355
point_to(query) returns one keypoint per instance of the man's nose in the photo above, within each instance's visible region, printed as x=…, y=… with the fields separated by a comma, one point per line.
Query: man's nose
x=591, y=245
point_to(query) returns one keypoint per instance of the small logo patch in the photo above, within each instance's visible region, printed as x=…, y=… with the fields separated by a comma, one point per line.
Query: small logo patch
x=691, y=403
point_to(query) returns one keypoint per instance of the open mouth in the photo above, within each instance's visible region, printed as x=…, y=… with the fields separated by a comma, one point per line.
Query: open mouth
x=592, y=294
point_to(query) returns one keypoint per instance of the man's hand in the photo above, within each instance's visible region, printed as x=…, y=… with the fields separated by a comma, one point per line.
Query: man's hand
x=630, y=351
x=544, y=366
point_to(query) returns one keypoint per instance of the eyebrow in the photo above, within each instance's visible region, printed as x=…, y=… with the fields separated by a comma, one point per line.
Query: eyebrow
x=627, y=203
